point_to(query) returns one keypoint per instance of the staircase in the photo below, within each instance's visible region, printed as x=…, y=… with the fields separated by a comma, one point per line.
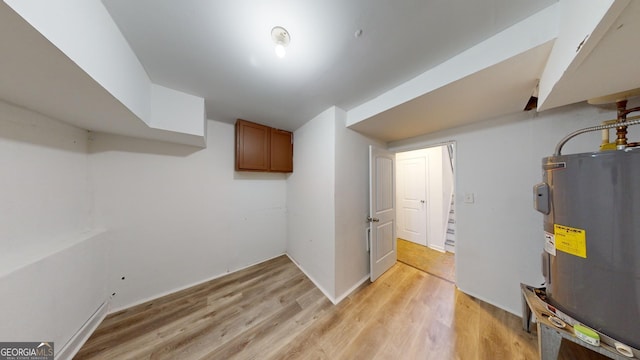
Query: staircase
x=450, y=242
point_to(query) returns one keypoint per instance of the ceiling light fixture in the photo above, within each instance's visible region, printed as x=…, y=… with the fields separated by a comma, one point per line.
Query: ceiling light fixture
x=281, y=38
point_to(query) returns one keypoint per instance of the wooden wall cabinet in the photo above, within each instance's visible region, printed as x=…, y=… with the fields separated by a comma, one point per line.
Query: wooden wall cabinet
x=262, y=148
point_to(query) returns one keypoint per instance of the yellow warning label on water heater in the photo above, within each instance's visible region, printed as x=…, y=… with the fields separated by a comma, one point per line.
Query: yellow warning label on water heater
x=570, y=240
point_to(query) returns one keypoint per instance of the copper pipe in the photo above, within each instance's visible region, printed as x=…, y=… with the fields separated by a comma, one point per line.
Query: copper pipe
x=628, y=111
x=621, y=131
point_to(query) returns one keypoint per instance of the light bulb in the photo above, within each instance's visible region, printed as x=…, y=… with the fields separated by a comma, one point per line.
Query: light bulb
x=280, y=51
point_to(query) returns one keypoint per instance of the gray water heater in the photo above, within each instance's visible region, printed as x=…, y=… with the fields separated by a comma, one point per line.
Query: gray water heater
x=591, y=263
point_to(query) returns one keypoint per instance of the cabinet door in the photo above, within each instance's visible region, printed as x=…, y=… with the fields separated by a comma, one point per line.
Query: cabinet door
x=252, y=146
x=281, y=151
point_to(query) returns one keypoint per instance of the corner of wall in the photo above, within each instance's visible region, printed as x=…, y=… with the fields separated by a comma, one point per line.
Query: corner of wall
x=352, y=206
x=311, y=201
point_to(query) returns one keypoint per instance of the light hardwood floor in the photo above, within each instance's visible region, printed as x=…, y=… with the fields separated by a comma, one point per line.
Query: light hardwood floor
x=272, y=311
x=434, y=262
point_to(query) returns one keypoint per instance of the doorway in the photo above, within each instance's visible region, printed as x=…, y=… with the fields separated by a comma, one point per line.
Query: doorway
x=425, y=194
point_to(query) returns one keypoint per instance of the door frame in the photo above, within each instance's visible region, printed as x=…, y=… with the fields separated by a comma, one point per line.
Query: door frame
x=455, y=173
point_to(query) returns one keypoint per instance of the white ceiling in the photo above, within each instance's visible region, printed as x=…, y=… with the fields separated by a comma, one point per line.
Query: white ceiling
x=221, y=50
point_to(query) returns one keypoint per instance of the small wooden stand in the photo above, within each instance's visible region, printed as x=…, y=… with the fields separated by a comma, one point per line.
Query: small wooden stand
x=550, y=336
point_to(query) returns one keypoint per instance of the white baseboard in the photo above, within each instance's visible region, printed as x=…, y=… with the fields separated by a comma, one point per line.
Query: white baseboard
x=436, y=248
x=334, y=300
x=142, y=301
x=353, y=288
x=71, y=348
x=324, y=291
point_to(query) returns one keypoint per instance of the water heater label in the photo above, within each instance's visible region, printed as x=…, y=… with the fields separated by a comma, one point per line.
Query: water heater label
x=554, y=166
x=570, y=240
x=549, y=243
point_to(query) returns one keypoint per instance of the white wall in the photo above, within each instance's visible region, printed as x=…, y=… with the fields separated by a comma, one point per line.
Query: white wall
x=85, y=32
x=45, y=190
x=85, y=48
x=176, y=111
x=351, y=206
x=52, y=267
x=499, y=237
x=179, y=215
x=328, y=203
x=311, y=201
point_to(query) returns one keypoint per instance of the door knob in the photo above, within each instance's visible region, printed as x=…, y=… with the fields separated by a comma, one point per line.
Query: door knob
x=370, y=219
x=422, y=201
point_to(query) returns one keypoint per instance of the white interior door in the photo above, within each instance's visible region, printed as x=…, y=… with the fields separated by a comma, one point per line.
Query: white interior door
x=382, y=212
x=438, y=211
x=420, y=175
x=412, y=197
